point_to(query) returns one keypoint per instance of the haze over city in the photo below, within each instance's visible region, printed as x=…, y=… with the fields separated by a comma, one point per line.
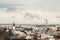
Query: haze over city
x=30, y=11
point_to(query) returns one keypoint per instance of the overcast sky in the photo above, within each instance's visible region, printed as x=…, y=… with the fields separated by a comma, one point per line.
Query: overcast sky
x=50, y=6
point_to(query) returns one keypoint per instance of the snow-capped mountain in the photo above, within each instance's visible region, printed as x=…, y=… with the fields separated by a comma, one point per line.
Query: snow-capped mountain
x=25, y=16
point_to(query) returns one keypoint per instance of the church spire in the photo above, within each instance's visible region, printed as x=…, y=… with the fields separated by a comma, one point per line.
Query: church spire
x=13, y=23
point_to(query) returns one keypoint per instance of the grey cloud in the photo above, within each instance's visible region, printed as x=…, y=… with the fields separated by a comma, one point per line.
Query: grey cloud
x=47, y=5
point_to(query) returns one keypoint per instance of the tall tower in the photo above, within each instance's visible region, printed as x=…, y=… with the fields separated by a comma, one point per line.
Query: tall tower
x=46, y=23
x=13, y=25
